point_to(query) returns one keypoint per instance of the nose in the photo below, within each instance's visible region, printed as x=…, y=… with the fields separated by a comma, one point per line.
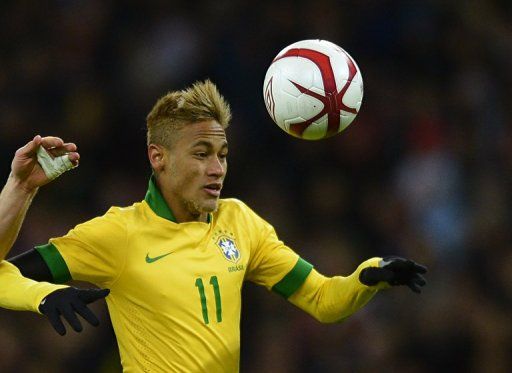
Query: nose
x=216, y=167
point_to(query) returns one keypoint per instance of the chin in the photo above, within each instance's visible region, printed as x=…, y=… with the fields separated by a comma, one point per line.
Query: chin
x=210, y=207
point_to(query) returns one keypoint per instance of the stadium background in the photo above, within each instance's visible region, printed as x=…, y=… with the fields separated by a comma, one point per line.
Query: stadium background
x=425, y=171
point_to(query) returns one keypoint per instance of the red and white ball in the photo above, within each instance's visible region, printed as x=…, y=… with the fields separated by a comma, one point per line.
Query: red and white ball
x=313, y=89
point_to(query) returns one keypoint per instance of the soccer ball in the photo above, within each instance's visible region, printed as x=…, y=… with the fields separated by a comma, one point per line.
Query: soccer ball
x=313, y=89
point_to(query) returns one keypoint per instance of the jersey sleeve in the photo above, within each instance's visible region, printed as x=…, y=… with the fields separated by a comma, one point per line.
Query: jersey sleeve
x=92, y=251
x=272, y=263
x=333, y=299
x=20, y=293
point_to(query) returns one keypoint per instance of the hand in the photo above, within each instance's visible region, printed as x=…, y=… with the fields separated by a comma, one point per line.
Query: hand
x=69, y=301
x=25, y=167
x=395, y=271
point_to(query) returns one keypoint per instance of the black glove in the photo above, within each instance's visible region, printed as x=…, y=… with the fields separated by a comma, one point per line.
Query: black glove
x=395, y=271
x=69, y=301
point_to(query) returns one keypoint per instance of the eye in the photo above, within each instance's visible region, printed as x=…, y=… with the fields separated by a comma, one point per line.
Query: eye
x=223, y=156
x=201, y=154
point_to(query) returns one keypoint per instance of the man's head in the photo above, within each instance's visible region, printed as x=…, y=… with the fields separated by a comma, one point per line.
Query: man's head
x=187, y=148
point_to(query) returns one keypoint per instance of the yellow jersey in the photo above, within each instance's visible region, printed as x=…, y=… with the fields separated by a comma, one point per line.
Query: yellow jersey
x=175, y=295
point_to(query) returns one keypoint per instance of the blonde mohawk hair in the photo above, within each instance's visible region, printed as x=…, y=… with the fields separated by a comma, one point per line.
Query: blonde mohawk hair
x=198, y=103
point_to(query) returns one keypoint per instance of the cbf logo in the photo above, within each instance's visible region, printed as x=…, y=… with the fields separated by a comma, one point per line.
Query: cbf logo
x=228, y=247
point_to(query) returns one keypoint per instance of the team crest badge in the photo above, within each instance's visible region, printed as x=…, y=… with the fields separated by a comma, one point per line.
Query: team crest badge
x=228, y=248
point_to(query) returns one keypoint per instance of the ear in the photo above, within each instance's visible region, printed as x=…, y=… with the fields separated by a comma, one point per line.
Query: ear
x=156, y=155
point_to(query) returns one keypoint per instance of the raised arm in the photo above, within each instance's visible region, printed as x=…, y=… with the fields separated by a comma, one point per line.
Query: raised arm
x=34, y=165
x=27, y=175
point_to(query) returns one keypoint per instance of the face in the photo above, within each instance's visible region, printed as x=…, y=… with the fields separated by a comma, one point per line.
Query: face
x=194, y=169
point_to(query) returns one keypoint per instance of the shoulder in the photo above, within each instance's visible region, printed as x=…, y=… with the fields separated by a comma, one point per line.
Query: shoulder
x=232, y=205
x=116, y=219
x=118, y=210
x=235, y=208
x=124, y=213
x=121, y=212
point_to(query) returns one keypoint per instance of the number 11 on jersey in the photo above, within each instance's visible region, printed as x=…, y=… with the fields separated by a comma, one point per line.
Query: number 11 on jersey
x=202, y=296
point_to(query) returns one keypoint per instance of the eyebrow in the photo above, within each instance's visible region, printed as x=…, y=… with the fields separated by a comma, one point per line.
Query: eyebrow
x=208, y=144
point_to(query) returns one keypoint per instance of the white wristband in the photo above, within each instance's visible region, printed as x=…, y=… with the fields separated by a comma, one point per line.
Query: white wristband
x=53, y=167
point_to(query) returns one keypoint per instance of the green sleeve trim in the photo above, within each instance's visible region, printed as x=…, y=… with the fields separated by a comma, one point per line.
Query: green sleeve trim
x=294, y=279
x=55, y=262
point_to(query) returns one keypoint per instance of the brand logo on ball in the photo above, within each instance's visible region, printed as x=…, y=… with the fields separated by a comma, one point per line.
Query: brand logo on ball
x=269, y=99
x=228, y=248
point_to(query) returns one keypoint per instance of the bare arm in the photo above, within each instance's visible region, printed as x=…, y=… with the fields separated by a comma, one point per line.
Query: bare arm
x=14, y=203
x=24, y=180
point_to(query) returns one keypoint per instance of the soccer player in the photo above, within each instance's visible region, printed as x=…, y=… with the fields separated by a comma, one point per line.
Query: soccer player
x=175, y=262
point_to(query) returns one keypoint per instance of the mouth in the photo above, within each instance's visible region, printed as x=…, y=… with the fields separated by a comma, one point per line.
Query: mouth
x=213, y=189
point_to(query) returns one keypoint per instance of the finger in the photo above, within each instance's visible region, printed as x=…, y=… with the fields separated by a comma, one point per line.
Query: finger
x=86, y=313
x=70, y=147
x=396, y=264
x=420, y=280
x=410, y=266
x=30, y=147
x=419, y=268
x=74, y=158
x=56, y=322
x=61, y=150
x=69, y=314
x=50, y=142
x=66, y=162
x=92, y=295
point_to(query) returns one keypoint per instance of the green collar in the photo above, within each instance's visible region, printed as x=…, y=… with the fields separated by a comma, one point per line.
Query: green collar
x=156, y=201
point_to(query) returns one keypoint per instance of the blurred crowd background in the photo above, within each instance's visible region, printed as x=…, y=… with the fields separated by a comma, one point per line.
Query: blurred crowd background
x=424, y=172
